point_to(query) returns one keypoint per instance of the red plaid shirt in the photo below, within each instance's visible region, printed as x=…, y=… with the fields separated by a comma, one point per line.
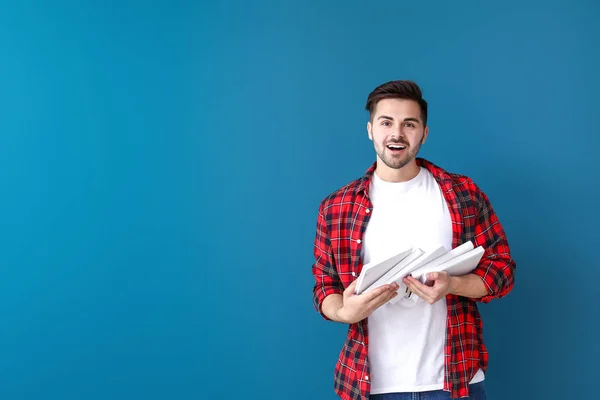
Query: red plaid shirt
x=341, y=223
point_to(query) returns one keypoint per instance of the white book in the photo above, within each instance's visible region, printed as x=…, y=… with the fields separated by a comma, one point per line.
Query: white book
x=426, y=258
x=414, y=254
x=374, y=270
x=457, y=251
x=457, y=266
x=460, y=265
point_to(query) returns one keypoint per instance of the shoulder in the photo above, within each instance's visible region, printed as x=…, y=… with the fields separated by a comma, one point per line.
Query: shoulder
x=346, y=193
x=467, y=190
x=464, y=187
x=462, y=181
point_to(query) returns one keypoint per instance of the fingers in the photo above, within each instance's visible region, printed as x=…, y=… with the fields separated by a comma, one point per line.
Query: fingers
x=383, y=298
x=375, y=293
x=414, y=284
x=422, y=295
x=425, y=292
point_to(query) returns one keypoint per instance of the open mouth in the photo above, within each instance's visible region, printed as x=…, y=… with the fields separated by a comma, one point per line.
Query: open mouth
x=396, y=147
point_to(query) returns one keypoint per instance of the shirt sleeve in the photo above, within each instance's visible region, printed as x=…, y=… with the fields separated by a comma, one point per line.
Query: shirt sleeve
x=497, y=267
x=324, y=269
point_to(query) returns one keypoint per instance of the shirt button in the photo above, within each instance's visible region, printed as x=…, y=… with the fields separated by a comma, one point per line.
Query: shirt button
x=354, y=274
x=358, y=241
x=366, y=378
x=368, y=211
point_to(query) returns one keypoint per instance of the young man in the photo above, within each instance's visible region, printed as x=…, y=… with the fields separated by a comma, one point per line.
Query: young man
x=403, y=350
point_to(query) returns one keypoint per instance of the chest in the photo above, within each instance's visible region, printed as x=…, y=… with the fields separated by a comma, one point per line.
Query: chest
x=421, y=220
x=348, y=222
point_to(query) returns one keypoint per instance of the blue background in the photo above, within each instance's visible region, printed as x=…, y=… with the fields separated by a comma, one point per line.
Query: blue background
x=161, y=165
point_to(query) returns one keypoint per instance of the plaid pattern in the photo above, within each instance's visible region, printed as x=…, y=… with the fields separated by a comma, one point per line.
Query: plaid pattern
x=341, y=223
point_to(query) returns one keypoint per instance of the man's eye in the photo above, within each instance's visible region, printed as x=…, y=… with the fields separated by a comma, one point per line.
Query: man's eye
x=409, y=125
x=385, y=123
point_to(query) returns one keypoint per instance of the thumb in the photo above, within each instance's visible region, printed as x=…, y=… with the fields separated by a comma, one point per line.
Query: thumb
x=351, y=288
x=432, y=276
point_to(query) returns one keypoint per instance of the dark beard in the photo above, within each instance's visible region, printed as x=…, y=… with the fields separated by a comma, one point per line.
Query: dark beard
x=397, y=163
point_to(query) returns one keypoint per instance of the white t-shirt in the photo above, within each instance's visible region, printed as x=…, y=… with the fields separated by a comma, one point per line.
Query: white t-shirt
x=406, y=339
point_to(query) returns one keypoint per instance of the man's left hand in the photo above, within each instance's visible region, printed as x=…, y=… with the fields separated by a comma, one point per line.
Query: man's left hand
x=437, y=286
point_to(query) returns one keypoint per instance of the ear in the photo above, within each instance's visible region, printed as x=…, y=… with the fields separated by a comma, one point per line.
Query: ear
x=370, y=130
x=425, y=134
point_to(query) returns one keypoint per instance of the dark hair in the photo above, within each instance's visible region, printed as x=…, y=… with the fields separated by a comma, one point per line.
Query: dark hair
x=397, y=90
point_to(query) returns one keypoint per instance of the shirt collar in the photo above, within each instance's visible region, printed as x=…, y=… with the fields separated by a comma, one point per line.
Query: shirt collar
x=440, y=175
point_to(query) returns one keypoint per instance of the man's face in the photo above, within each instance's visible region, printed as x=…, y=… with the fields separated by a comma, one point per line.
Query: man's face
x=397, y=131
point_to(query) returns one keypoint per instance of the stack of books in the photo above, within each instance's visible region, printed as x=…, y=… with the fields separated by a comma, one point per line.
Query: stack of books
x=418, y=263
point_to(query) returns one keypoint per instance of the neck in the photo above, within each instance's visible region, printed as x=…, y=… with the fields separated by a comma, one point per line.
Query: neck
x=406, y=173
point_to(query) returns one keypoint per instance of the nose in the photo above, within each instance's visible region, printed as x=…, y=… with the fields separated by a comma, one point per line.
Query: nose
x=398, y=133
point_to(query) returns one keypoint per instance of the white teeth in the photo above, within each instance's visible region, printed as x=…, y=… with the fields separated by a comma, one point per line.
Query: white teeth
x=396, y=147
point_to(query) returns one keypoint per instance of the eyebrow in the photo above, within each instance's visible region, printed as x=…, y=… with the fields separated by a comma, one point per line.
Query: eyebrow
x=405, y=119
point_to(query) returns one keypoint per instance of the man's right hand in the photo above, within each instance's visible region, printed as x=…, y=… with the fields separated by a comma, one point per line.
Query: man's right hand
x=356, y=307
